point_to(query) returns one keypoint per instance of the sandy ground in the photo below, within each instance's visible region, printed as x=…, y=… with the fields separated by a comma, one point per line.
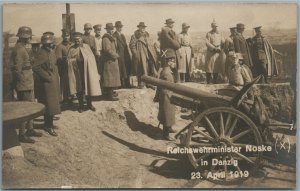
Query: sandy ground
x=118, y=146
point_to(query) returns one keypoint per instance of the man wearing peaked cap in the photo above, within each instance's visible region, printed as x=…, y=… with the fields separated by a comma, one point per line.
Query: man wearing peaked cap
x=264, y=62
x=124, y=59
x=110, y=71
x=241, y=45
x=142, y=47
x=23, y=81
x=47, y=83
x=185, y=64
x=82, y=72
x=169, y=41
x=89, y=39
x=98, y=43
x=62, y=64
x=215, y=57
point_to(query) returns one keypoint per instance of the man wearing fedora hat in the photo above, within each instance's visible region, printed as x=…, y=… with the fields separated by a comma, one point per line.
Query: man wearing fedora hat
x=62, y=63
x=82, y=72
x=110, y=71
x=185, y=64
x=89, y=39
x=241, y=45
x=169, y=42
x=143, y=54
x=263, y=55
x=124, y=59
x=215, y=56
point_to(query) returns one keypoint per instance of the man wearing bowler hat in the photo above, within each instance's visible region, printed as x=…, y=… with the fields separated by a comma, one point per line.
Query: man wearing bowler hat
x=109, y=57
x=82, y=72
x=169, y=42
x=263, y=56
x=185, y=64
x=89, y=39
x=62, y=63
x=241, y=45
x=124, y=59
x=144, y=57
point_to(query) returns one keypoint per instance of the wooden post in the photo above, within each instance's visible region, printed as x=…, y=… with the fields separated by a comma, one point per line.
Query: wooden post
x=68, y=20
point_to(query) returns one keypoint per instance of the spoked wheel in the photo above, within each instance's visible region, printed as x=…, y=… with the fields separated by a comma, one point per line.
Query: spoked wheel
x=222, y=140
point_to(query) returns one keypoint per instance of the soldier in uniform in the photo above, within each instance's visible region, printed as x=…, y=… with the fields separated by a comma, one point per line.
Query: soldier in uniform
x=263, y=56
x=62, y=64
x=241, y=45
x=82, y=72
x=124, y=59
x=229, y=46
x=169, y=42
x=111, y=75
x=22, y=58
x=144, y=57
x=89, y=39
x=166, y=111
x=47, y=81
x=185, y=67
x=214, y=60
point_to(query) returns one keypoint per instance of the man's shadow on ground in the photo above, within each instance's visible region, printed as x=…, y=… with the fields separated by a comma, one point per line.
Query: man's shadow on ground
x=147, y=129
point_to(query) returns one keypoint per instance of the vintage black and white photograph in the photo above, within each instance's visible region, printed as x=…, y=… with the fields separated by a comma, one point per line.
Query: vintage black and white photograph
x=149, y=95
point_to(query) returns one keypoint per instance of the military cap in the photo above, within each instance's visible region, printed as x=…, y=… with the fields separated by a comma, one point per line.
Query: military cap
x=118, y=24
x=34, y=42
x=240, y=26
x=169, y=21
x=87, y=26
x=257, y=28
x=232, y=28
x=77, y=35
x=48, y=33
x=24, y=32
x=98, y=26
x=141, y=24
x=109, y=26
x=65, y=32
x=185, y=25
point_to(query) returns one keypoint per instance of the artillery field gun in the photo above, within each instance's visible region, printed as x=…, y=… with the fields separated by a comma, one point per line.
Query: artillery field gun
x=228, y=135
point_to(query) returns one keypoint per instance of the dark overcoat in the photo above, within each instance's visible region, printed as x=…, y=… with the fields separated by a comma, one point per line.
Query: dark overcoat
x=62, y=65
x=22, y=59
x=124, y=56
x=109, y=57
x=241, y=46
x=166, y=111
x=46, y=81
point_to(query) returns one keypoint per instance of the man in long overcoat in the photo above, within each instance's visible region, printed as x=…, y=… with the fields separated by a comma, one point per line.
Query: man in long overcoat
x=23, y=82
x=144, y=57
x=241, y=45
x=62, y=64
x=169, y=42
x=229, y=46
x=82, y=72
x=111, y=74
x=185, y=65
x=166, y=110
x=215, y=56
x=124, y=59
x=263, y=55
x=47, y=81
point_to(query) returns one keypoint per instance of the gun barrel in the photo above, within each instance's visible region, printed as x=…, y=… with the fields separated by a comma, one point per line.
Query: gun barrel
x=184, y=90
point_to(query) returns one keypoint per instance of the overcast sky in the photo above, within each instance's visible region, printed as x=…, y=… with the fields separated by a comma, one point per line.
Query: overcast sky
x=48, y=17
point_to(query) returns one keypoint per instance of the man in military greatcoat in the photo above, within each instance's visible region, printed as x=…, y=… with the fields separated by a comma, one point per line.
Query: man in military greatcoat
x=47, y=81
x=22, y=61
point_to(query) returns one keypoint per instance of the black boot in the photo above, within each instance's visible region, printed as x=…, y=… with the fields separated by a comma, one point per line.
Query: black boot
x=111, y=96
x=166, y=135
x=208, y=78
x=215, y=78
x=24, y=139
x=80, y=101
x=89, y=103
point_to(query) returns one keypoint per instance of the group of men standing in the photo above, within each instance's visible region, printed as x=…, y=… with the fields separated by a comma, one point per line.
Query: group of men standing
x=256, y=54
